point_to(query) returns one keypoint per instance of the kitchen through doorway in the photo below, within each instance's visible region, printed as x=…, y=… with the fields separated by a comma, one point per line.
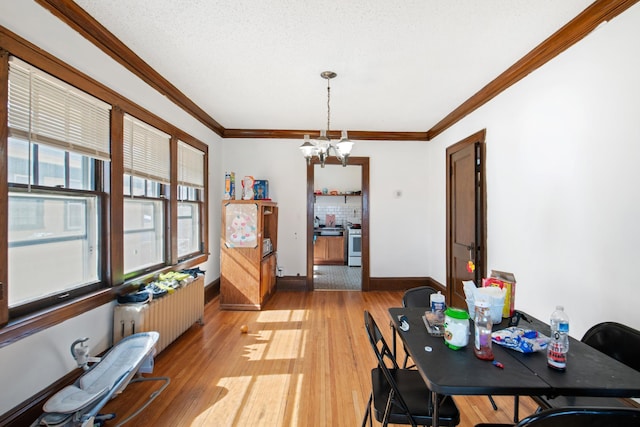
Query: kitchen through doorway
x=337, y=210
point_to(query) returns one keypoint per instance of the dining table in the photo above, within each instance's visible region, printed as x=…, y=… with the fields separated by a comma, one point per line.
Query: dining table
x=451, y=372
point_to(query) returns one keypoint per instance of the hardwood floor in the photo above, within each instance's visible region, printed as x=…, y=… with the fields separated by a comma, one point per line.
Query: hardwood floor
x=305, y=361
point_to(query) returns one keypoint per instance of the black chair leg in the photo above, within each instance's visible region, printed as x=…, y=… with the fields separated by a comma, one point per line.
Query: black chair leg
x=516, y=409
x=367, y=413
x=406, y=360
x=493, y=403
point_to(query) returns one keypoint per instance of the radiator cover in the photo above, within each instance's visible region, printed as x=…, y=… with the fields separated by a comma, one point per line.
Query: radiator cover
x=170, y=315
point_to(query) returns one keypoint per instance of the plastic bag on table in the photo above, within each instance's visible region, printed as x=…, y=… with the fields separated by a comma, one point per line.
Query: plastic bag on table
x=519, y=339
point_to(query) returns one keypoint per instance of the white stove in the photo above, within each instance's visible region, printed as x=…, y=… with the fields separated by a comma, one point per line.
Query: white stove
x=354, y=247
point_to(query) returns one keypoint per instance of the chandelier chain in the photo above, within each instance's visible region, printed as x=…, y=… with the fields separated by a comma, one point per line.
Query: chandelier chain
x=328, y=106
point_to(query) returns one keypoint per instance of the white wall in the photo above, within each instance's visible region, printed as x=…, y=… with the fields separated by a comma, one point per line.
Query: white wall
x=397, y=224
x=337, y=177
x=33, y=363
x=563, y=204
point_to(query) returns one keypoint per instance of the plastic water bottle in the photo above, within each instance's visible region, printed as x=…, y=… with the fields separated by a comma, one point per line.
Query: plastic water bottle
x=438, y=306
x=559, y=344
x=482, y=347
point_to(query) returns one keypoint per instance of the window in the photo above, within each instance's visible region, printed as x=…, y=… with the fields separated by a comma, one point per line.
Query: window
x=147, y=174
x=188, y=228
x=58, y=136
x=57, y=162
x=56, y=250
x=190, y=198
x=143, y=234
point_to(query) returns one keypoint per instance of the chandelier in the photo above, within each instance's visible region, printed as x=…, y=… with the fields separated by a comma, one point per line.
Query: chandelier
x=322, y=146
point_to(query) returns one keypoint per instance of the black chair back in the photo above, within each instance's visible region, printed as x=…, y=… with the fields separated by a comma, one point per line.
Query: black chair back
x=401, y=396
x=584, y=417
x=384, y=355
x=616, y=340
x=381, y=349
x=418, y=297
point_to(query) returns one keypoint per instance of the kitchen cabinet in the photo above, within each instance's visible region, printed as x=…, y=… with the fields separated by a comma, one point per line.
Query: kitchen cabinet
x=247, y=260
x=329, y=250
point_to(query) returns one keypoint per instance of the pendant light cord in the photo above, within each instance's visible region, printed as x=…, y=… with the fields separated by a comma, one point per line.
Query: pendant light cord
x=328, y=106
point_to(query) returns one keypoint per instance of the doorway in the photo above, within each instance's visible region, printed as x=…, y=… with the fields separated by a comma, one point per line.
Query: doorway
x=337, y=227
x=466, y=215
x=363, y=162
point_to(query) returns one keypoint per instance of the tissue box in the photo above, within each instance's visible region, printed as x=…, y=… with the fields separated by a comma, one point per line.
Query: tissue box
x=507, y=281
x=261, y=189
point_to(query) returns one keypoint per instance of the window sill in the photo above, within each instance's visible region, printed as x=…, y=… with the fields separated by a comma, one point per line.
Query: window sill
x=28, y=325
x=23, y=327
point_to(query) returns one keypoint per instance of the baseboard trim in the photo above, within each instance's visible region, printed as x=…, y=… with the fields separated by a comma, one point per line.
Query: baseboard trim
x=299, y=283
x=212, y=290
x=291, y=283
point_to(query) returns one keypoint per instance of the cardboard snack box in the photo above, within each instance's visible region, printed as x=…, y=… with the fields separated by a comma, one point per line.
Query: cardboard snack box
x=506, y=280
x=261, y=189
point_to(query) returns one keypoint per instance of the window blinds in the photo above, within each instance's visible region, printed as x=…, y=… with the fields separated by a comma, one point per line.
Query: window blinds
x=190, y=166
x=46, y=110
x=146, y=151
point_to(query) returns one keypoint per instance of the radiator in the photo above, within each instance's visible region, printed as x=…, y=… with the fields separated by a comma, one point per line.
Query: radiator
x=169, y=315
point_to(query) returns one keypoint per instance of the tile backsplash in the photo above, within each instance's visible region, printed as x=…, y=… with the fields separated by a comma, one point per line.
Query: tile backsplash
x=351, y=211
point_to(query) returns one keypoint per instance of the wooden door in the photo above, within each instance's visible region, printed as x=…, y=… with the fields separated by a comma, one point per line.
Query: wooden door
x=466, y=216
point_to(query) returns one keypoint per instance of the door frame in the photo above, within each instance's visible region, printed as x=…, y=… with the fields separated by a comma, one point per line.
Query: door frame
x=353, y=161
x=480, y=257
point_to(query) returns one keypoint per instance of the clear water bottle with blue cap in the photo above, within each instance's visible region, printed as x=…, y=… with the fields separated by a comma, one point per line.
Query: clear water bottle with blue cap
x=559, y=343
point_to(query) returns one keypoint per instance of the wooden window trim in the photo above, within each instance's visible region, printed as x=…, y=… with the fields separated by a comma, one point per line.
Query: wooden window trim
x=12, y=330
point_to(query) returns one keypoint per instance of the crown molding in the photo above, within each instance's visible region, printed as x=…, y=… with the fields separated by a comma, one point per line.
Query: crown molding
x=334, y=135
x=575, y=30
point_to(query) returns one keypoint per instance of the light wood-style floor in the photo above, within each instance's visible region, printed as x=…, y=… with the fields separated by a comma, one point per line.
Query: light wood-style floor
x=305, y=361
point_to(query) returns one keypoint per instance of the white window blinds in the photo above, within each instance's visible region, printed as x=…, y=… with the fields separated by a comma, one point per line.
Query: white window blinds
x=190, y=166
x=146, y=151
x=46, y=110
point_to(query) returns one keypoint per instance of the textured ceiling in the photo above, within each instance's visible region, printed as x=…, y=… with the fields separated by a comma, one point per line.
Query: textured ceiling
x=402, y=65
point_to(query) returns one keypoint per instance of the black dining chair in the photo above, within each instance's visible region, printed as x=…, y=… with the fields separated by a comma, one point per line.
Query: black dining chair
x=579, y=417
x=613, y=339
x=416, y=297
x=400, y=396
